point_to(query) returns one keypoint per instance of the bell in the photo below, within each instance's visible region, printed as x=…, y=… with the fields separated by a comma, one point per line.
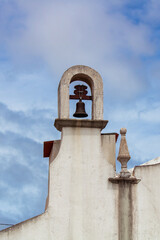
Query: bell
x=80, y=110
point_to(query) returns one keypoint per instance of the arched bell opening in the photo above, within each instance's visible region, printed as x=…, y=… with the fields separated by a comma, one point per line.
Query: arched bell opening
x=86, y=75
x=85, y=79
x=80, y=105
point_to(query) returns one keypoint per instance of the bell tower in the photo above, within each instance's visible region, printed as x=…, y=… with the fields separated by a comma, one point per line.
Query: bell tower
x=80, y=200
x=84, y=74
x=93, y=79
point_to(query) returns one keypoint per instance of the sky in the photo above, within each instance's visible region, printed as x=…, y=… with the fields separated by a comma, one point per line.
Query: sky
x=39, y=40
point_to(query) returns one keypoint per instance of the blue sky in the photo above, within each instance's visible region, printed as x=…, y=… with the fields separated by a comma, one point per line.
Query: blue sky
x=39, y=40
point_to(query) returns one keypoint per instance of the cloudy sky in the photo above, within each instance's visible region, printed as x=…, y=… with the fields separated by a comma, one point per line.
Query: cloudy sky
x=39, y=40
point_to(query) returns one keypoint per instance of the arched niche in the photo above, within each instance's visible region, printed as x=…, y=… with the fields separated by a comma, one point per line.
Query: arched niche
x=92, y=78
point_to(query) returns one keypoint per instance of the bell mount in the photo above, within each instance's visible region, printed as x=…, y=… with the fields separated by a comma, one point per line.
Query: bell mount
x=80, y=93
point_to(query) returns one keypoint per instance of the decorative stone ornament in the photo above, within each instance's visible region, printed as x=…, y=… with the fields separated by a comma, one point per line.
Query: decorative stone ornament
x=124, y=156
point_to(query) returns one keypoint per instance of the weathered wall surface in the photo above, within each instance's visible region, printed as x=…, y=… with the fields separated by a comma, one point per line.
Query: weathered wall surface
x=125, y=210
x=37, y=228
x=82, y=203
x=81, y=198
x=146, y=201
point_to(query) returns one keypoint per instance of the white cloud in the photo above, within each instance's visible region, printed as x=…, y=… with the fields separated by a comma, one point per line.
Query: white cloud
x=9, y=209
x=25, y=90
x=142, y=111
x=144, y=149
x=152, y=8
x=30, y=189
x=151, y=115
x=91, y=33
x=35, y=124
x=142, y=120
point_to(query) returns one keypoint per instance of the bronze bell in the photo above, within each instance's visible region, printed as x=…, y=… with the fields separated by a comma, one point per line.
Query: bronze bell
x=80, y=110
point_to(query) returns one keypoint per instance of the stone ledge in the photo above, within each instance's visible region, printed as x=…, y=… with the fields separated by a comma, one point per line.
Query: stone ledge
x=85, y=123
x=117, y=180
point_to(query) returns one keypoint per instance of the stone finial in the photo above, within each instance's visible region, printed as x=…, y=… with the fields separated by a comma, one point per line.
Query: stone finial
x=123, y=156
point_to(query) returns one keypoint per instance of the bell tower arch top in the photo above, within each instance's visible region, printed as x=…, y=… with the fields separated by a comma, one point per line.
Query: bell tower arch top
x=92, y=78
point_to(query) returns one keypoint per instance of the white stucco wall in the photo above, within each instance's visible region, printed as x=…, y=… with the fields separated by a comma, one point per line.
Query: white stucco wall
x=147, y=202
x=37, y=228
x=81, y=199
x=82, y=203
